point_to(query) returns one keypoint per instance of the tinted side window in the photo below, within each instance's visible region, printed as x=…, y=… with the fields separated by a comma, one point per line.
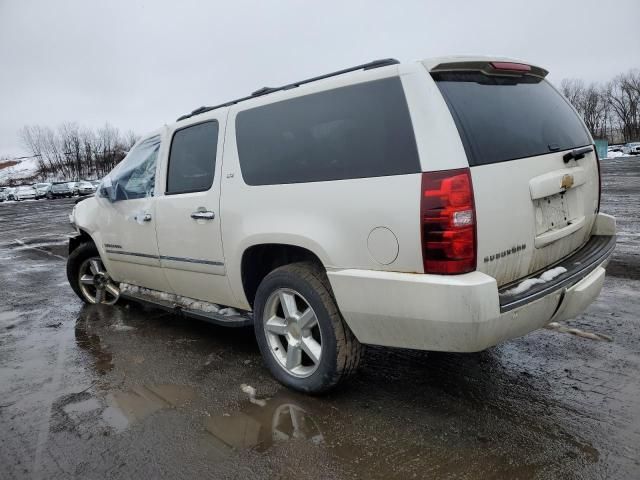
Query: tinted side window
x=358, y=131
x=192, y=160
x=502, y=118
x=135, y=176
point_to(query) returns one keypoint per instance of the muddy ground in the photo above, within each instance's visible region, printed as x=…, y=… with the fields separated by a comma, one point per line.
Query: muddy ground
x=127, y=392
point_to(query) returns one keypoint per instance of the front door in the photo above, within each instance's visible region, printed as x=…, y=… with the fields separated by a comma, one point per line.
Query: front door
x=127, y=224
x=188, y=217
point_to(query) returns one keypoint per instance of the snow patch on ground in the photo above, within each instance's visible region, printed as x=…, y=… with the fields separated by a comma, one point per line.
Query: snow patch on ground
x=577, y=332
x=249, y=390
x=617, y=154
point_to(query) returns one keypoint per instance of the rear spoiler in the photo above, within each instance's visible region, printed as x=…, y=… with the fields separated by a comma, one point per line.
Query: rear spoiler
x=491, y=68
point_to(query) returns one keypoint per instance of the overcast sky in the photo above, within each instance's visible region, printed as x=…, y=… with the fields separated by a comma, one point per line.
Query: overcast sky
x=140, y=64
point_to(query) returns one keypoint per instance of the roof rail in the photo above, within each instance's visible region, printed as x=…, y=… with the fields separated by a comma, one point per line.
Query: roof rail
x=267, y=90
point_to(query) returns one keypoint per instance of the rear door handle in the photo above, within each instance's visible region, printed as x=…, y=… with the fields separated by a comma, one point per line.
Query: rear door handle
x=205, y=215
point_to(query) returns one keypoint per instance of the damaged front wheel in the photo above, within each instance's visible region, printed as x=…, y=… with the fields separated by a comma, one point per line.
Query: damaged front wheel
x=89, y=278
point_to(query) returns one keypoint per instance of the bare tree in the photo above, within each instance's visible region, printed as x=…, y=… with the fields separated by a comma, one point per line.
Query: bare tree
x=71, y=152
x=610, y=111
x=593, y=108
x=624, y=100
x=573, y=89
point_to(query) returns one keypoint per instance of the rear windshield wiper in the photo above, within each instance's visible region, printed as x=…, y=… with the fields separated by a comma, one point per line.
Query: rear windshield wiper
x=576, y=154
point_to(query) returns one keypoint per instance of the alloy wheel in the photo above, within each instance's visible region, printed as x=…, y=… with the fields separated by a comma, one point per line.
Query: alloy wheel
x=292, y=332
x=95, y=283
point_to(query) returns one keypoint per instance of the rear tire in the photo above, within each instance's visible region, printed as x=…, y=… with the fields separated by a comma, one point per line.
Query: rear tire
x=308, y=347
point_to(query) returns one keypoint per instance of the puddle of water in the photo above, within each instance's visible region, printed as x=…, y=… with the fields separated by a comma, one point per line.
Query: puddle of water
x=137, y=403
x=102, y=359
x=260, y=425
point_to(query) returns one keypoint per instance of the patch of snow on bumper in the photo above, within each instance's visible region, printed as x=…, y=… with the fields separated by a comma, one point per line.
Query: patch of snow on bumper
x=530, y=282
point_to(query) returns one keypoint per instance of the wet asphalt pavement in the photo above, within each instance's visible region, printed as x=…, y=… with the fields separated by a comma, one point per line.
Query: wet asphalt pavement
x=128, y=392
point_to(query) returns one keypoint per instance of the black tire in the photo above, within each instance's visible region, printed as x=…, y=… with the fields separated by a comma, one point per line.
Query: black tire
x=341, y=351
x=75, y=261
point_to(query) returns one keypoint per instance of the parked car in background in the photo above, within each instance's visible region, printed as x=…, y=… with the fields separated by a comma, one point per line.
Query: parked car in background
x=632, y=148
x=26, y=193
x=449, y=204
x=59, y=190
x=73, y=186
x=10, y=194
x=86, y=188
x=3, y=194
x=42, y=189
x=95, y=183
x=616, y=148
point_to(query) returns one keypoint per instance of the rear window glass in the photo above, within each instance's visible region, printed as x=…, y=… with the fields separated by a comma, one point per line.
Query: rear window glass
x=192, y=160
x=505, y=118
x=358, y=131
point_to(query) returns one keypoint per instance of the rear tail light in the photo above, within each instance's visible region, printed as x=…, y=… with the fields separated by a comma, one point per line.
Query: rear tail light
x=448, y=222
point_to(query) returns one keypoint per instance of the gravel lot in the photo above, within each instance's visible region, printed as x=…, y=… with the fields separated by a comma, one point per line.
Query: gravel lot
x=128, y=392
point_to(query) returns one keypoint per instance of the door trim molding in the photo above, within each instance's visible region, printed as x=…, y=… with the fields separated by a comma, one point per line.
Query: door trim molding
x=166, y=257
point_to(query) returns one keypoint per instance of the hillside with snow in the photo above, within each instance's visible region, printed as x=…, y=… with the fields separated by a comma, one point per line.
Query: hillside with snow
x=24, y=170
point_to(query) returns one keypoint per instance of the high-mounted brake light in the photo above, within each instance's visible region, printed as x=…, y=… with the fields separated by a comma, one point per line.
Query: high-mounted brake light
x=511, y=66
x=447, y=219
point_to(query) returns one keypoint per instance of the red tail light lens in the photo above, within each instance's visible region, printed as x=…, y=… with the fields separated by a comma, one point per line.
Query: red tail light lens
x=447, y=216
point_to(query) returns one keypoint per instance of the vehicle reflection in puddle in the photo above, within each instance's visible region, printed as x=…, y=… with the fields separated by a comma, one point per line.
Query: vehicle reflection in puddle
x=90, y=342
x=137, y=403
x=259, y=426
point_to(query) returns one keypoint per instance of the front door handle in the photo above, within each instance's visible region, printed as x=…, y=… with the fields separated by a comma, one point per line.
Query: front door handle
x=204, y=215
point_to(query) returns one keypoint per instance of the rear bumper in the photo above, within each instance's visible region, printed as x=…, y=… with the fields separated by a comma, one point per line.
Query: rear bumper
x=466, y=313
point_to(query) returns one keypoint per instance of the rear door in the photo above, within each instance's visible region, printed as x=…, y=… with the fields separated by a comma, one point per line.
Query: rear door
x=188, y=214
x=535, y=203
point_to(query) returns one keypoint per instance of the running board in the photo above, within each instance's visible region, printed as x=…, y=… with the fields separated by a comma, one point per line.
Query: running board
x=189, y=307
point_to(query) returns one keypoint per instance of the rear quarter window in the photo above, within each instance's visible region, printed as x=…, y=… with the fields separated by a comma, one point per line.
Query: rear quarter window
x=507, y=118
x=358, y=131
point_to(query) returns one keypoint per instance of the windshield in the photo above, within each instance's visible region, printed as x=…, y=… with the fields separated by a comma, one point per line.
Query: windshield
x=507, y=118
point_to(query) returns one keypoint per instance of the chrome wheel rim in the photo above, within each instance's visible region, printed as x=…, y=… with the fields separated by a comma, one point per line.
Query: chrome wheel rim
x=293, y=333
x=95, y=283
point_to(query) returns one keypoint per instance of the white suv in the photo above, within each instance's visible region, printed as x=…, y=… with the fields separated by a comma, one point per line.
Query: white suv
x=448, y=204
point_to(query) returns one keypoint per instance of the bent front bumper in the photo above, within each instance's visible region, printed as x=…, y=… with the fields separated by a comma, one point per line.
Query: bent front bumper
x=467, y=313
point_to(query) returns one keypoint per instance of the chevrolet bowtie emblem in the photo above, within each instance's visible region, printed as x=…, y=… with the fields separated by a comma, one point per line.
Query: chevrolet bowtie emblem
x=567, y=181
